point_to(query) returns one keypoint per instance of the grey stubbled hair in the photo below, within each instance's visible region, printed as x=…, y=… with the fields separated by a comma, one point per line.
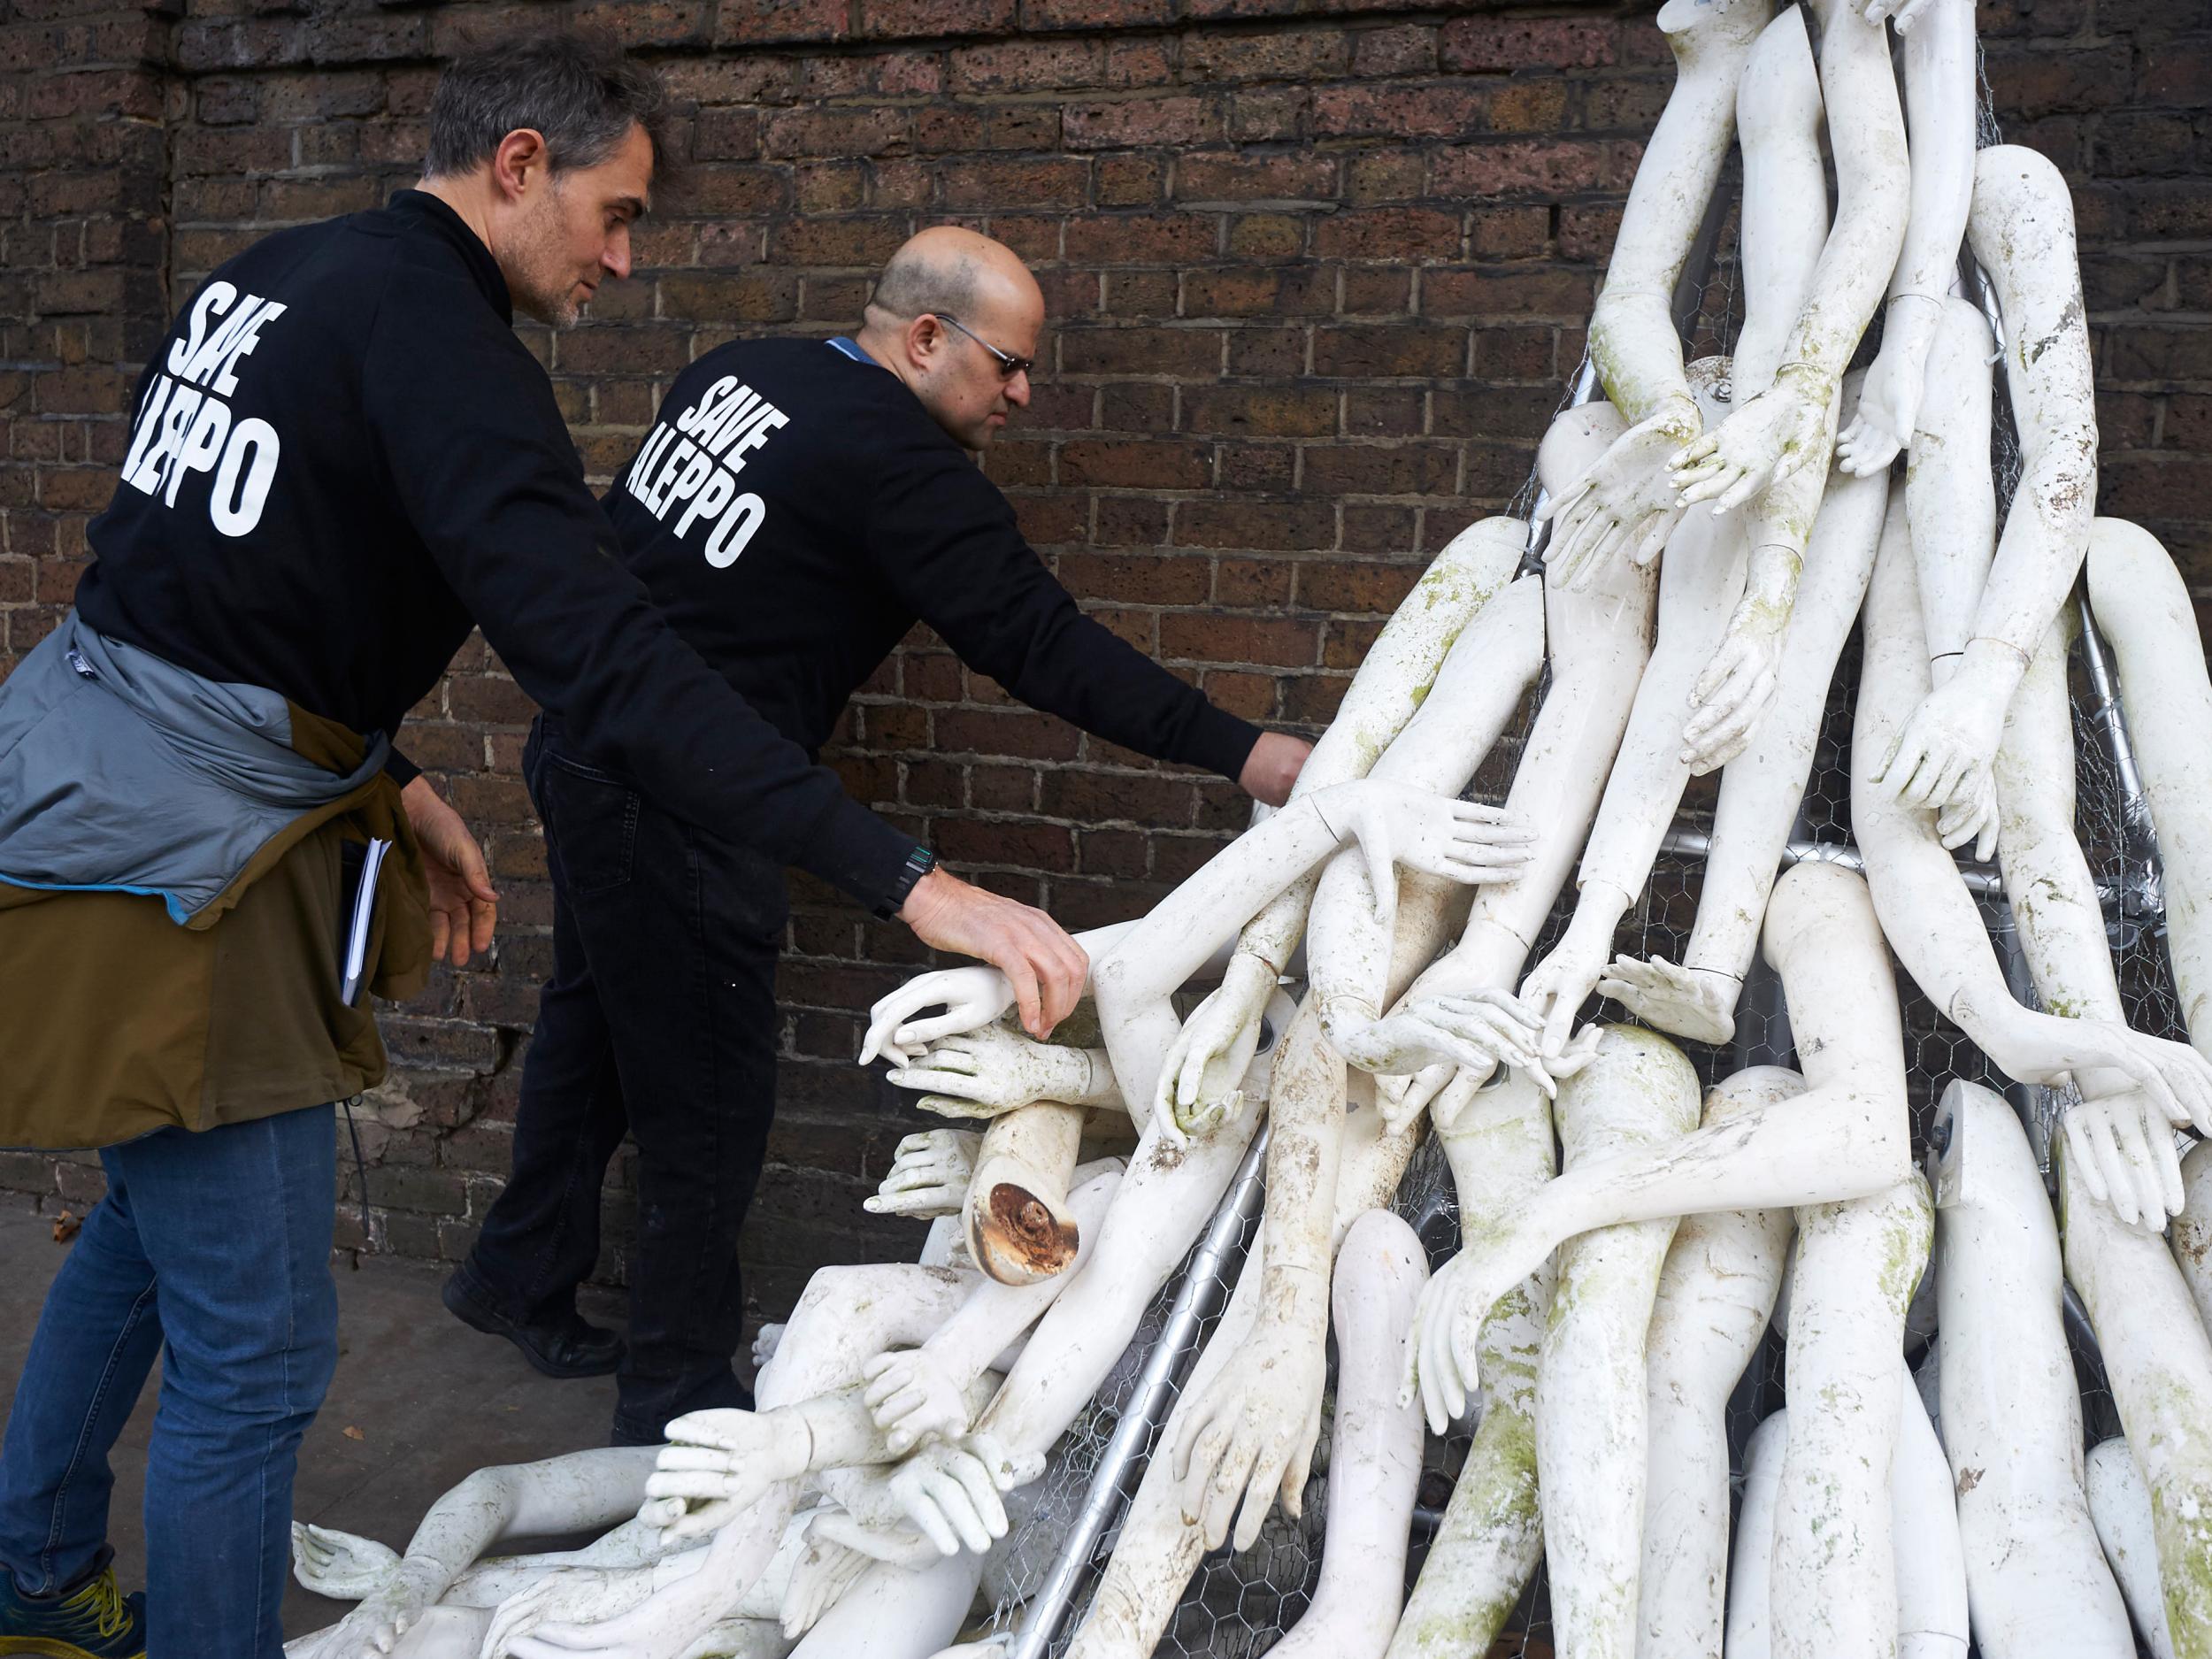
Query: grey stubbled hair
x=576, y=87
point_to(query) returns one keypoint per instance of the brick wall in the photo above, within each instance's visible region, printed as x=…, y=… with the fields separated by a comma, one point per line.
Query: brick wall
x=1317, y=268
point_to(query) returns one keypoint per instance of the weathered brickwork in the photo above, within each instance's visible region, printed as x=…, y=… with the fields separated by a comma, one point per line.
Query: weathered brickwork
x=1316, y=269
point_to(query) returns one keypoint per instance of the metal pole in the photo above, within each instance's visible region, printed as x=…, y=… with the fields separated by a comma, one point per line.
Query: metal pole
x=1198, y=1296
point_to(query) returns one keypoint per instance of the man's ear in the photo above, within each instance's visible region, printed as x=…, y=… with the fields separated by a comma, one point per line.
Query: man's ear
x=520, y=161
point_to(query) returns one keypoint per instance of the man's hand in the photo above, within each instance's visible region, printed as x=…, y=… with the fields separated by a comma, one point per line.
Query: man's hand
x=1046, y=968
x=1273, y=766
x=464, y=904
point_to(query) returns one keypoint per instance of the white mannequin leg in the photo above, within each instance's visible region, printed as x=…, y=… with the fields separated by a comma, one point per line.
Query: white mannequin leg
x=2191, y=1233
x=1492, y=1534
x=1375, y=1446
x=1637, y=1095
x=1924, y=1535
x=2011, y=1415
x=1750, y=1576
x=2121, y=1504
x=1833, y=1594
x=1716, y=1293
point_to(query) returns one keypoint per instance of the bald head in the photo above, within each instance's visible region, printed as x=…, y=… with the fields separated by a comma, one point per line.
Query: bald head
x=957, y=317
x=945, y=268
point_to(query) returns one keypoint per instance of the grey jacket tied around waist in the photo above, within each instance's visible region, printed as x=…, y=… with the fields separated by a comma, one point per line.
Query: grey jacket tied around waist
x=119, y=771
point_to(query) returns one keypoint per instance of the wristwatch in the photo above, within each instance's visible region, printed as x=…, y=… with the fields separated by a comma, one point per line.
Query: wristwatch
x=918, y=864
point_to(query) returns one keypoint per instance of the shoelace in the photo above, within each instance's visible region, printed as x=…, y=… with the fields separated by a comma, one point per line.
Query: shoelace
x=103, y=1602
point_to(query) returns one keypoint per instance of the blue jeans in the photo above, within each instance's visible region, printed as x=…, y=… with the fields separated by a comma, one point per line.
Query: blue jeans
x=220, y=1244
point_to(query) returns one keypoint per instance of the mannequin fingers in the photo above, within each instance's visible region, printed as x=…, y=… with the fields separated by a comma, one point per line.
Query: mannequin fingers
x=2173, y=1194
x=882, y=1363
x=2119, y=1179
x=2136, y=1161
x=680, y=1459
x=1509, y=824
x=1424, y=1085
x=1651, y=537
x=924, y=1509
x=1753, y=482
x=1491, y=997
x=1454, y=1100
x=1696, y=452
x=1218, y=1506
x=980, y=1503
x=1259, y=1498
x=1190, y=1435
x=723, y=1428
x=2082, y=1157
x=922, y=1033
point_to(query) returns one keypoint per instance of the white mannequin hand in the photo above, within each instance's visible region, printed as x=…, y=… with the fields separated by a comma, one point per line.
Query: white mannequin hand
x=1735, y=691
x=1459, y=840
x=2044, y=1048
x=991, y=1069
x=347, y=1567
x=951, y=1493
x=719, y=1463
x=1889, y=403
x=1624, y=503
x=1214, y=1048
x=971, y=997
x=929, y=1175
x=1904, y=13
x=1442, y=1353
x=1973, y=819
x=824, y=1570
x=1251, y=1435
x=1767, y=439
x=1557, y=987
x=1474, y=1031
x=341, y=1566
x=2124, y=1150
x=1944, y=754
x=1691, y=1002
x=913, y=1398
x=576, y=1610
x=767, y=1339
x=894, y=1542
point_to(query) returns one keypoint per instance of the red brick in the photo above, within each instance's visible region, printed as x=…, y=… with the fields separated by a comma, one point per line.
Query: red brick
x=1448, y=109
x=1488, y=45
x=1137, y=123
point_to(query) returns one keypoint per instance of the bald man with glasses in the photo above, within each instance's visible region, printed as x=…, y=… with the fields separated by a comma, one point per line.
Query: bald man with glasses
x=796, y=508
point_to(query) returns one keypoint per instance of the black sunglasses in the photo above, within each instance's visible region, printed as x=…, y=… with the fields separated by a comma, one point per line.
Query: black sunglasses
x=1008, y=364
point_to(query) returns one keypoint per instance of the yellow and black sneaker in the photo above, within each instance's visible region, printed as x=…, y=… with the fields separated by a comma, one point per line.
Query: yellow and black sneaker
x=93, y=1621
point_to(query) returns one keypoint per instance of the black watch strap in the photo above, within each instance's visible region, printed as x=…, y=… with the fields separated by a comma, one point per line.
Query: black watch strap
x=918, y=864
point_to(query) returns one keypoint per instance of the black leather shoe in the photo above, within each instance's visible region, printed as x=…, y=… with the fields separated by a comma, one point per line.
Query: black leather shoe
x=558, y=1348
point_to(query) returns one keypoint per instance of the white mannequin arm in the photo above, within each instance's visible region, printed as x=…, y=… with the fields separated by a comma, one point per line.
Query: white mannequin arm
x=1762, y=788
x=1623, y=504
x=1940, y=107
x=1387, y=692
x=1846, y=1139
x=2144, y=609
x=1789, y=425
x=1926, y=914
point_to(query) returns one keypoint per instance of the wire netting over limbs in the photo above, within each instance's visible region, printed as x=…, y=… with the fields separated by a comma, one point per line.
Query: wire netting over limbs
x=1238, y=1605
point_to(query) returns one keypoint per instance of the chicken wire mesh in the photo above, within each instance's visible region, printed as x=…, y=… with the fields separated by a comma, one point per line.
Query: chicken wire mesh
x=1238, y=1604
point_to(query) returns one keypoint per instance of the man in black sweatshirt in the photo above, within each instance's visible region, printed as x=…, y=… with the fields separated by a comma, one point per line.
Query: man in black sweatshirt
x=343, y=459
x=798, y=505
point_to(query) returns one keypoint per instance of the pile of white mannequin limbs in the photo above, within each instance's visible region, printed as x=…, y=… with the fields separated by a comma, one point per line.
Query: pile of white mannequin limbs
x=1629, y=1238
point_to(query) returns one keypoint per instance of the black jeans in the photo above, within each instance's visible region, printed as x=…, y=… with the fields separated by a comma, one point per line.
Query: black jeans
x=660, y=1019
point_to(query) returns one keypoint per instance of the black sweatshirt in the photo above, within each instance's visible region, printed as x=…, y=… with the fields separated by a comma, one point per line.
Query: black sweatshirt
x=795, y=510
x=345, y=456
